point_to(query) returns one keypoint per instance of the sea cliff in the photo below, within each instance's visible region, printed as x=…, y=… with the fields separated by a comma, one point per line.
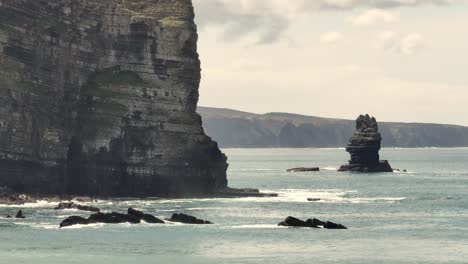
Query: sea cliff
x=99, y=98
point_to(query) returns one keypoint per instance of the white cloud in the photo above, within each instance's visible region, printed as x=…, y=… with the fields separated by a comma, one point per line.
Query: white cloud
x=411, y=44
x=352, y=4
x=374, y=16
x=269, y=20
x=404, y=44
x=331, y=37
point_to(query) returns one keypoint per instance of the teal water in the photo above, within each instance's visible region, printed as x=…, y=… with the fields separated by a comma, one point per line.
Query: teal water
x=415, y=217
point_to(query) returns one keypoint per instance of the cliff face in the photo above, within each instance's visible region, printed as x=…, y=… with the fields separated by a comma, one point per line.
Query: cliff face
x=99, y=98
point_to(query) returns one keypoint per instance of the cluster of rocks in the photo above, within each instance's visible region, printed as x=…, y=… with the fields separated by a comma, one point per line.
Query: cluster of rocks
x=132, y=216
x=72, y=205
x=311, y=223
x=19, y=214
x=364, y=147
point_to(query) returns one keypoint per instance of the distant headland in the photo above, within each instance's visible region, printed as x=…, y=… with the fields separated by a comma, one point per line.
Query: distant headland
x=237, y=129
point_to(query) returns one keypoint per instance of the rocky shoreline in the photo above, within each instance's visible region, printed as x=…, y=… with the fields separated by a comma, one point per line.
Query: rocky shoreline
x=134, y=216
x=11, y=197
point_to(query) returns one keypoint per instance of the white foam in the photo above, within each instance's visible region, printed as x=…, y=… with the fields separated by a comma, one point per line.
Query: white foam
x=45, y=226
x=84, y=226
x=297, y=195
x=38, y=204
x=375, y=200
x=321, y=196
x=330, y=169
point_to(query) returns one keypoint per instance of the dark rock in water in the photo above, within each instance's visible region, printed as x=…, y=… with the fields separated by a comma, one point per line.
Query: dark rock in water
x=239, y=193
x=8, y=216
x=133, y=216
x=20, y=214
x=312, y=223
x=295, y=222
x=188, y=219
x=364, y=147
x=113, y=218
x=74, y=220
x=145, y=217
x=302, y=169
x=71, y=205
x=314, y=199
x=316, y=222
x=331, y=225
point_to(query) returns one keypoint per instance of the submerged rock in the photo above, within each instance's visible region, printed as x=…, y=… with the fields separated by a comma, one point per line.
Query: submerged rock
x=311, y=223
x=314, y=199
x=72, y=205
x=302, y=169
x=133, y=216
x=295, y=222
x=188, y=219
x=364, y=147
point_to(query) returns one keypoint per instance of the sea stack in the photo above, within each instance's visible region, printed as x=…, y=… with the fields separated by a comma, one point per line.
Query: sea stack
x=99, y=98
x=364, y=147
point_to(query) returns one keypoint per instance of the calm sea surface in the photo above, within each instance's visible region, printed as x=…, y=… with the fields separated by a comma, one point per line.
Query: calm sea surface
x=415, y=217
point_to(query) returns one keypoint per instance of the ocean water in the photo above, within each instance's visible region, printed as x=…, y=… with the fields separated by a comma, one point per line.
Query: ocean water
x=415, y=217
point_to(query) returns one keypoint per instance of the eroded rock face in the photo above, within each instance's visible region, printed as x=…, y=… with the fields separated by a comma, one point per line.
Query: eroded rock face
x=98, y=98
x=364, y=147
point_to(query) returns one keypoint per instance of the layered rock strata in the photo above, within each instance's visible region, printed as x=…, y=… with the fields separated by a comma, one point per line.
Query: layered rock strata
x=364, y=147
x=99, y=98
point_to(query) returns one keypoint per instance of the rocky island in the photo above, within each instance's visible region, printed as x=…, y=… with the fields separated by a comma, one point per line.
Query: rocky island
x=98, y=98
x=364, y=147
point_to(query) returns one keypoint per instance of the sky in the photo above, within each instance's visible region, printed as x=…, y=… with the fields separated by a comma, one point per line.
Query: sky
x=398, y=60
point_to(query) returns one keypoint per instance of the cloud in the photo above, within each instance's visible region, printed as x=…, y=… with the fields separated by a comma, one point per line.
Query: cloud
x=331, y=37
x=403, y=44
x=241, y=18
x=374, y=16
x=268, y=20
x=352, y=4
x=411, y=44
